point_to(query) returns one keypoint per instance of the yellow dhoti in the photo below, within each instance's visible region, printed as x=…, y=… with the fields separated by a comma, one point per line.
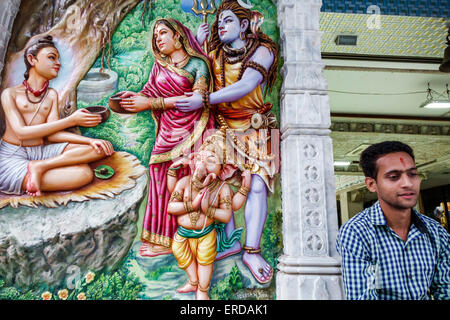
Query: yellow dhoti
x=203, y=249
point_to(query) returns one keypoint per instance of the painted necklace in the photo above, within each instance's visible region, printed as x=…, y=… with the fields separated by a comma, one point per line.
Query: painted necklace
x=181, y=63
x=36, y=93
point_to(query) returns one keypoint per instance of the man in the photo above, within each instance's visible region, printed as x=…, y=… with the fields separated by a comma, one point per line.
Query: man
x=390, y=251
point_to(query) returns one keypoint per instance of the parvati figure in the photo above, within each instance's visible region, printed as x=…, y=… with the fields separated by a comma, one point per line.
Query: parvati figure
x=180, y=66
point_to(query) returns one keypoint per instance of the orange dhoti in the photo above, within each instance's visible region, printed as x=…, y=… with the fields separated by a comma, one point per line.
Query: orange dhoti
x=255, y=149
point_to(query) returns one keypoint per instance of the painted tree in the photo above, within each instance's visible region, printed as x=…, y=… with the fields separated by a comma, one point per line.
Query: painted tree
x=82, y=31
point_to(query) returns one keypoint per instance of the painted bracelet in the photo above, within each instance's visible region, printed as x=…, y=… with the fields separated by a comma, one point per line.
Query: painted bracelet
x=211, y=212
x=188, y=206
x=205, y=100
x=244, y=191
x=157, y=103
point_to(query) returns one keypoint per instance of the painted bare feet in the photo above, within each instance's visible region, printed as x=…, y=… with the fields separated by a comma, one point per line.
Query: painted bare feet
x=34, y=175
x=159, y=248
x=261, y=270
x=152, y=250
x=202, y=294
x=188, y=287
x=235, y=249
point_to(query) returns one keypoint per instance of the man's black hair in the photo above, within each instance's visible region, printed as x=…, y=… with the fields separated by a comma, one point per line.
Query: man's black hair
x=370, y=156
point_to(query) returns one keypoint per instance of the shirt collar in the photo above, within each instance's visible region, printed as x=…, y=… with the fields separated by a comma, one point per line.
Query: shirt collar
x=377, y=218
x=418, y=222
x=376, y=215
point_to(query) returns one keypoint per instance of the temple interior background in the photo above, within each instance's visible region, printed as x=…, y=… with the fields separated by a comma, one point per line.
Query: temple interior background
x=380, y=59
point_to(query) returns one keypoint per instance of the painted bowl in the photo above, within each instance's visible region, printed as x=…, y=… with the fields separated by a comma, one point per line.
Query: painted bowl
x=114, y=103
x=101, y=110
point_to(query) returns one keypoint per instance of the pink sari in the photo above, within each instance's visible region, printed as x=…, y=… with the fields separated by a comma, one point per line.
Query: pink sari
x=177, y=132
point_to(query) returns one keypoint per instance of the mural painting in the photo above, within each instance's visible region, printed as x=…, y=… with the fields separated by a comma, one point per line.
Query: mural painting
x=139, y=153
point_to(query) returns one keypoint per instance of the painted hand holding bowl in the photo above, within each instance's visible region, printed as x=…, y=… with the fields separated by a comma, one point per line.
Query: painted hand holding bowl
x=114, y=103
x=101, y=110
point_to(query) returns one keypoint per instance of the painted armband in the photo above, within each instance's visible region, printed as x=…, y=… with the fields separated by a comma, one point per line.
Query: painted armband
x=201, y=85
x=257, y=67
x=176, y=196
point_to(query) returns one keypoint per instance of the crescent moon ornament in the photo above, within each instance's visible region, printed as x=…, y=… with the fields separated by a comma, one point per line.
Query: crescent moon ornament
x=245, y=3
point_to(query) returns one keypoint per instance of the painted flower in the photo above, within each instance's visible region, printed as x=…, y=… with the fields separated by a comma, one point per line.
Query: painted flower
x=81, y=296
x=89, y=277
x=63, y=294
x=46, y=296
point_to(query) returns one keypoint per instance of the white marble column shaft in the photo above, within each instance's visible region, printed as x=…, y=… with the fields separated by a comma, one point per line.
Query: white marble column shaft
x=309, y=267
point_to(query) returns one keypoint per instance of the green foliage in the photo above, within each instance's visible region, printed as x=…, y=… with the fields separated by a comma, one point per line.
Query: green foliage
x=226, y=289
x=116, y=285
x=155, y=275
x=272, y=244
x=120, y=131
x=119, y=285
x=12, y=293
x=132, y=60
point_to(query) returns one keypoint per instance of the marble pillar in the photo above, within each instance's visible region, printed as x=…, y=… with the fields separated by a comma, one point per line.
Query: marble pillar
x=8, y=12
x=309, y=268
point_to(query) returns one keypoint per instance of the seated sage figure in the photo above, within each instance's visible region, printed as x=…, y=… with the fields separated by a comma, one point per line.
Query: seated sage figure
x=36, y=154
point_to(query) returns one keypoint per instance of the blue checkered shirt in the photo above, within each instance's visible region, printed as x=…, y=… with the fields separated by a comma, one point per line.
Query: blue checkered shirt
x=378, y=264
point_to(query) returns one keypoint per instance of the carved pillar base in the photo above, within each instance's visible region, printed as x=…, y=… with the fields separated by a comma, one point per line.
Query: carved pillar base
x=309, y=279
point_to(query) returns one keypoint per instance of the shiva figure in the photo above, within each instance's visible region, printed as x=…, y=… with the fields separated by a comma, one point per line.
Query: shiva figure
x=180, y=66
x=202, y=211
x=36, y=154
x=244, y=63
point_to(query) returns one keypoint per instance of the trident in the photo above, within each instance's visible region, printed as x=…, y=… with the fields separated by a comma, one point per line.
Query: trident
x=204, y=8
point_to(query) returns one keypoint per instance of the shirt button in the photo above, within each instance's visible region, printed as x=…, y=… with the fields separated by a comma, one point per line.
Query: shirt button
x=410, y=277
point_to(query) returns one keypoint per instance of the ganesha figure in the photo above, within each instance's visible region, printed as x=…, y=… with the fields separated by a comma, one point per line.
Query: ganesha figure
x=202, y=203
x=244, y=64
